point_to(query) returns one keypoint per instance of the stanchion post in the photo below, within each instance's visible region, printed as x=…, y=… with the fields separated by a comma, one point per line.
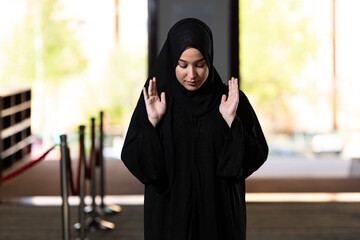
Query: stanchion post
x=110, y=209
x=95, y=221
x=101, y=159
x=82, y=182
x=64, y=189
x=93, y=166
x=0, y=170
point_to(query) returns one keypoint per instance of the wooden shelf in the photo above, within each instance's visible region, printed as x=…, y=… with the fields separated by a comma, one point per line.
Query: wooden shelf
x=15, y=125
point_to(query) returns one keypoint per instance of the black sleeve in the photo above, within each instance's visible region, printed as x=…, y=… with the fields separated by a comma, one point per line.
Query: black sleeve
x=245, y=148
x=142, y=152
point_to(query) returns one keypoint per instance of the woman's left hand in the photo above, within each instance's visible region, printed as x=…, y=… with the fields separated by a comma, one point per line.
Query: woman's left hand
x=228, y=106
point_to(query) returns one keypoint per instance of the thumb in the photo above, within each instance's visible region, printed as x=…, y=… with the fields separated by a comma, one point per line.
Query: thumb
x=163, y=98
x=223, y=98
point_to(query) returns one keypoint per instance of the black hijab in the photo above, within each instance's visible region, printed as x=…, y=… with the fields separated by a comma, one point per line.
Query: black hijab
x=186, y=33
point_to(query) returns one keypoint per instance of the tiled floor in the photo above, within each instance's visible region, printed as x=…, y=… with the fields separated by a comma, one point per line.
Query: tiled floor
x=270, y=221
x=266, y=220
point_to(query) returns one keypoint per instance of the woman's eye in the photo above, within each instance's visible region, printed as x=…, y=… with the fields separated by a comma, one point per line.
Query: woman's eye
x=182, y=66
x=200, y=65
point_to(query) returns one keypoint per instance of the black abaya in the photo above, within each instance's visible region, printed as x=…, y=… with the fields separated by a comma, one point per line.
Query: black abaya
x=192, y=164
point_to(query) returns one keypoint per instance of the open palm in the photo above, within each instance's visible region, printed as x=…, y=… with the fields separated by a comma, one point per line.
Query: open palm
x=155, y=106
x=229, y=104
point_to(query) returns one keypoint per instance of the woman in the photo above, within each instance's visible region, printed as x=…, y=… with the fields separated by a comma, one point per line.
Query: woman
x=193, y=145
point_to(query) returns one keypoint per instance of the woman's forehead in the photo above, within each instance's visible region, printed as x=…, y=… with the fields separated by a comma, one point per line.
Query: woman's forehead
x=191, y=54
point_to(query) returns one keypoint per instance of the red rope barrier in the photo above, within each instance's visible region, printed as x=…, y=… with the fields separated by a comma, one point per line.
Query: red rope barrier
x=98, y=159
x=70, y=176
x=88, y=168
x=74, y=189
x=81, y=157
x=27, y=166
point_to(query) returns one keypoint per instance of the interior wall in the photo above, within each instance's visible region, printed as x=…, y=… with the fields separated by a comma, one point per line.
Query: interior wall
x=216, y=14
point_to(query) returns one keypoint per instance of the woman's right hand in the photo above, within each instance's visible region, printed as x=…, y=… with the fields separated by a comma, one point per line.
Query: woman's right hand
x=155, y=106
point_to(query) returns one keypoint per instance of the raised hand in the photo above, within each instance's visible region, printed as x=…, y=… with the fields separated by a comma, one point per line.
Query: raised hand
x=155, y=106
x=228, y=106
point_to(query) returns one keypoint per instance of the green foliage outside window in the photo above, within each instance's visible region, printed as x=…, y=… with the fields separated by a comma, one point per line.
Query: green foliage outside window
x=42, y=47
x=276, y=43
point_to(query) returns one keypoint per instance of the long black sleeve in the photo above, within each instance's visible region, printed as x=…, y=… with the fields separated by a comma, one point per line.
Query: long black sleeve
x=142, y=152
x=245, y=148
x=231, y=158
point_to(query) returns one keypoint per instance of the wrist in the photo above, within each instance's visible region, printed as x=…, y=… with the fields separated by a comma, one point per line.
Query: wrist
x=228, y=119
x=153, y=121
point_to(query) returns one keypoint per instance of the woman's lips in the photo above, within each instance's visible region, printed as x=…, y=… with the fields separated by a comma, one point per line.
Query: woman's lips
x=191, y=83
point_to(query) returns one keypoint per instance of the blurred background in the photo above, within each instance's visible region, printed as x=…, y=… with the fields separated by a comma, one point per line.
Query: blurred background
x=77, y=57
x=298, y=66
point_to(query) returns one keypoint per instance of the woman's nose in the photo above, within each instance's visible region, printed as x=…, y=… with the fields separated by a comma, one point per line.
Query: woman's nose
x=191, y=72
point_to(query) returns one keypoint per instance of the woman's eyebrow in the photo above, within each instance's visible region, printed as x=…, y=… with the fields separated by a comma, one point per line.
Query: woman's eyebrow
x=182, y=60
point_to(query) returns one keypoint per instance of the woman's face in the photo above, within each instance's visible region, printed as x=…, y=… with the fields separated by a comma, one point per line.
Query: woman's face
x=192, y=70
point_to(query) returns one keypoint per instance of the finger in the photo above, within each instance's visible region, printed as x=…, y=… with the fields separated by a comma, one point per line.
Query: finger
x=235, y=94
x=236, y=86
x=154, y=90
x=163, y=98
x=146, y=96
x=231, y=83
x=151, y=87
x=223, y=98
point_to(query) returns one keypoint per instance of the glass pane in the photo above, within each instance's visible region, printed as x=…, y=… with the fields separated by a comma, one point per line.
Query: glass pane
x=299, y=69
